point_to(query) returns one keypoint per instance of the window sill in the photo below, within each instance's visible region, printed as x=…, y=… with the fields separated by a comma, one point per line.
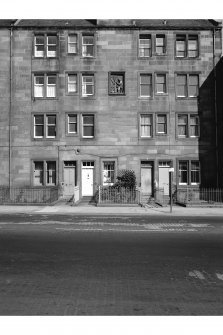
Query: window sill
x=161, y=94
x=75, y=94
x=117, y=94
x=145, y=98
x=90, y=97
x=187, y=58
x=72, y=134
x=187, y=98
x=45, y=139
x=44, y=98
x=45, y=57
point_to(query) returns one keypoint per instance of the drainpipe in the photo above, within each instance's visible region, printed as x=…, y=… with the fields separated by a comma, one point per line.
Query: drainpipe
x=215, y=109
x=10, y=107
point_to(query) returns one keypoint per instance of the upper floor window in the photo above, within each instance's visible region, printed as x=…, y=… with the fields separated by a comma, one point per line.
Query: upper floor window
x=117, y=83
x=45, y=46
x=187, y=85
x=71, y=83
x=146, y=125
x=45, y=85
x=88, y=45
x=160, y=44
x=88, y=125
x=161, y=86
x=87, y=85
x=72, y=44
x=44, y=126
x=145, y=45
x=145, y=85
x=187, y=125
x=72, y=123
x=161, y=124
x=187, y=46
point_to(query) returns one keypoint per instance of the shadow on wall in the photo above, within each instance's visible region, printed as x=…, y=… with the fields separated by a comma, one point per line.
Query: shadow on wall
x=210, y=104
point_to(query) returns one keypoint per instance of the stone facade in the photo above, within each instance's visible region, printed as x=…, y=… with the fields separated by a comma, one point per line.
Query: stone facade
x=117, y=137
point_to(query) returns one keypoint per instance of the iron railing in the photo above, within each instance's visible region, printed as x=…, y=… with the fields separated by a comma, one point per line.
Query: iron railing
x=199, y=195
x=29, y=195
x=117, y=195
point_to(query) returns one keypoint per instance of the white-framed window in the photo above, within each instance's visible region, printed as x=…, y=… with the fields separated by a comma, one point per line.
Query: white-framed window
x=183, y=173
x=45, y=45
x=145, y=45
x=146, y=125
x=44, y=126
x=45, y=85
x=44, y=173
x=51, y=46
x=187, y=125
x=195, y=172
x=108, y=173
x=161, y=86
x=39, y=91
x=187, y=85
x=160, y=44
x=51, y=81
x=39, y=46
x=189, y=172
x=145, y=85
x=72, y=44
x=87, y=85
x=88, y=125
x=72, y=83
x=161, y=124
x=72, y=123
x=88, y=45
x=39, y=126
x=187, y=45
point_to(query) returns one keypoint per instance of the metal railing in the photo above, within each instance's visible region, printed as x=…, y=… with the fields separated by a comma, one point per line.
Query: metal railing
x=117, y=195
x=199, y=195
x=31, y=195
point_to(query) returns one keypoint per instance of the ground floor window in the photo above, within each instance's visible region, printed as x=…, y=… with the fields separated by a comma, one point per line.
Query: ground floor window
x=108, y=173
x=44, y=173
x=189, y=172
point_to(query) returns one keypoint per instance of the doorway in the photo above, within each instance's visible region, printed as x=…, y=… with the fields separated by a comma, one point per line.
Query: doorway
x=164, y=167
x=87, y=178
x=147, y=177
x=69, y=177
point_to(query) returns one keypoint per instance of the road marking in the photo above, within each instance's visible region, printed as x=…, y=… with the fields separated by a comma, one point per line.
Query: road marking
x=196, y=274
x=219, y=276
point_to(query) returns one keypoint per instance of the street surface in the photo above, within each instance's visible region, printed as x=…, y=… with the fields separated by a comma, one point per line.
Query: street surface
x=82, y=265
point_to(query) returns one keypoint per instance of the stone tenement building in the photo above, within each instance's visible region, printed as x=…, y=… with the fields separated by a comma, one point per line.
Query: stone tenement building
x=82, y=99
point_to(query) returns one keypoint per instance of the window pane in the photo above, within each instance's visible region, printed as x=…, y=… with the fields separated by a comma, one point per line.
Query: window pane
x=160, y=44
x=195, y=172
x=182, y=125
x=183, y=172
x=38, y=174
x=72, y=124
x=109, y=173
x=52, y=39
x=192, y=46
x=51, y=173
x=194, y=126
x=181, y=88
x=88, y=131
x=88, y=46
x=193, y=86
x=181, y=46
x=39, y=46
x=160, y=83
x=72, y=83
x=39, y=119
x=72, y=43
x=87, y=85
x=88, y=119
x=146, y=125
x=145, y=45
x=161, y=124
x=39, y=80
x=39, y=86
x=51, y=80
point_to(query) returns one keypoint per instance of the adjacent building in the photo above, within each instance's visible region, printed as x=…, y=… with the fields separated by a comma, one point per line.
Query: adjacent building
x=82, y=99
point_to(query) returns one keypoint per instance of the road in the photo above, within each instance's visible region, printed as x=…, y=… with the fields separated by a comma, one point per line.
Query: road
x=70, y=265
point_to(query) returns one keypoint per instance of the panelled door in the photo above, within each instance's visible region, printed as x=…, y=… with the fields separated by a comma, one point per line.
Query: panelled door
x=164, y=176
x=146, y=178
x=69, y=177
x=87, y=178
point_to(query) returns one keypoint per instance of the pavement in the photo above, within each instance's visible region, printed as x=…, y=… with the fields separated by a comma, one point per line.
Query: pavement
x=64, y=209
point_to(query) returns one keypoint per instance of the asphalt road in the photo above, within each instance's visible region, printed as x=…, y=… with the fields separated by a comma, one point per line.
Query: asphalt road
x=70, y=265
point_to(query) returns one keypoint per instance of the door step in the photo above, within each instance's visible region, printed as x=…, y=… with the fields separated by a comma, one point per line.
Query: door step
x=87, y=201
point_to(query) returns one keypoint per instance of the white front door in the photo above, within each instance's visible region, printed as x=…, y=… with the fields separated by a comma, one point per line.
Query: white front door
x=87, y=179
x=164, y=178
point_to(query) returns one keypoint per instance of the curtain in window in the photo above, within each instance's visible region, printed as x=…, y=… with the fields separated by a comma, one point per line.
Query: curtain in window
x=51, y=87
x=72, y=83
x=109, y=173
x=181, y=85
x=193, y=86
x=193, y=46
x=195, y=172
x=194, y=126
x=51, y=46
x=51, y=173
x=144, y=46
x=39, y=86
x=161, y=83
x=145, y=85
x=146, y=126
x=72, y=44
x=182, y=125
